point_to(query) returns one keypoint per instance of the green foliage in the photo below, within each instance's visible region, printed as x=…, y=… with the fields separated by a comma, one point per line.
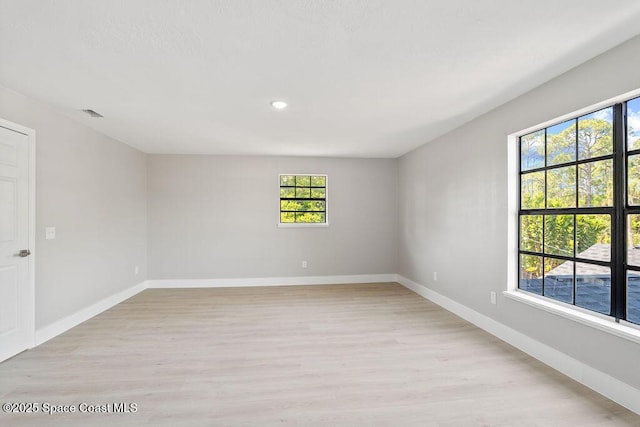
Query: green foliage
x=633, y=225
x=531, y=233
x=302, y=217
x=287, y=192
x=595, y=184
x=318, y=181
x=591, y=229
x=302, y=205
x=531, y=266
x=289, y=180
x=633, y=119
x=595, y=138
x=558, y=235
x=532, y=150
x=287, y=217
x=561, y=187
x=303, y=181
x=532, y=190
x=633, y=138
x=561, y=147
x=633, y=177
x=303, y=193
x=318, y=193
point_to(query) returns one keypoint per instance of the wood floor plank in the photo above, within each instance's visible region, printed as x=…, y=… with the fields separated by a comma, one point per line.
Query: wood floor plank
x=336, y=355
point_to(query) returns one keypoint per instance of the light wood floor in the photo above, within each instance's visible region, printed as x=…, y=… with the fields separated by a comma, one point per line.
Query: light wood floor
x=343, y=355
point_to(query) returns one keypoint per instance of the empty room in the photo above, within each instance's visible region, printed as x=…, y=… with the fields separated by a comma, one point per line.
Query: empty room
x=319, y=213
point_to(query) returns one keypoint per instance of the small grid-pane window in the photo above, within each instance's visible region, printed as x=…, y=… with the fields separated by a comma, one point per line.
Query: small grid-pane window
x=303, y=199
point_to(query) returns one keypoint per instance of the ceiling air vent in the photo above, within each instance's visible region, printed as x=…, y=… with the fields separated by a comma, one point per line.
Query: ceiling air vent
x=93, y=113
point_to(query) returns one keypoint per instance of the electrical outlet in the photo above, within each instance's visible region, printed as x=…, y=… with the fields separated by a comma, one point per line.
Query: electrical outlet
x=435, y=276
x=136, y=270
x=304, y=264
x=494, y=298
x=50, y=233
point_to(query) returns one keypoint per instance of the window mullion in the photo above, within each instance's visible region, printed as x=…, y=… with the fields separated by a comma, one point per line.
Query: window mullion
x=618, y=285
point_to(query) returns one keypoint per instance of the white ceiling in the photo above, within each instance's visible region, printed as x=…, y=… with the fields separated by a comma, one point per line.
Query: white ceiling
x=363, y=78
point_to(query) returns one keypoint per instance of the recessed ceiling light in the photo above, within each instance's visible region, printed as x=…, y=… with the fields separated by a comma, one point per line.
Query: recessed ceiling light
x=93, y=113
x=279, y=105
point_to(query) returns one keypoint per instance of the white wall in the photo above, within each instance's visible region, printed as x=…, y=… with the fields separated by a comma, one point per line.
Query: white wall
x=453, y=210
x=214, y=217
x=93, y=190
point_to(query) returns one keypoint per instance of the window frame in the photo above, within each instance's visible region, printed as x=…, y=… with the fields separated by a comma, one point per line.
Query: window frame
x=305, y=224
x=616, y=325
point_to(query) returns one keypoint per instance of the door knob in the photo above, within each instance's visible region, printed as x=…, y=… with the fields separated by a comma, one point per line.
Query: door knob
x=24, y=253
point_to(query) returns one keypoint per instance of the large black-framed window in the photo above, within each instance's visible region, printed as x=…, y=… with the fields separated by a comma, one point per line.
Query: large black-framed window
x=303, y=199
x=579, y=211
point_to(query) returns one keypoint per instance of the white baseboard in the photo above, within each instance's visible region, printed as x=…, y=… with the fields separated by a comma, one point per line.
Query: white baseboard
x=56, y=328
x=608, y=386
x=272, y=281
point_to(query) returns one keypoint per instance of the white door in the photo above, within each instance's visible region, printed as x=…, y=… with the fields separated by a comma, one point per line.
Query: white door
x=16, y=287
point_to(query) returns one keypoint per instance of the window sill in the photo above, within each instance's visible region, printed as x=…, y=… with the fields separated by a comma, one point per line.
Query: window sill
x=603, y=323
x=302, y=225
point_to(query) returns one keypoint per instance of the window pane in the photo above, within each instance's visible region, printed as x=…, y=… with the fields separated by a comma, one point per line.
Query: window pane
x=532, y=190
x=595, y=134
x=558, y=235
x=593, y=233
x=633, y=240
x=289, y=205
x=633, y=124
x=287, y=180
x=303, y=180
x=286, y=192
x=561, y=143
x=558, y=280
x=310, y=217
x=633, y=180
x=531, y=274
x=633, y=296
x=287, y=217
x=303, y=193
x=593, y=287
x=561, y=187
x=531, y=233
x=532, y=151
x=318, y=181
x=311, y=206
x=595, y=184
x=318, y=193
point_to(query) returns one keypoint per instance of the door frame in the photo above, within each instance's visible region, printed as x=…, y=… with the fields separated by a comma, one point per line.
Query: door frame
x=31, y=202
